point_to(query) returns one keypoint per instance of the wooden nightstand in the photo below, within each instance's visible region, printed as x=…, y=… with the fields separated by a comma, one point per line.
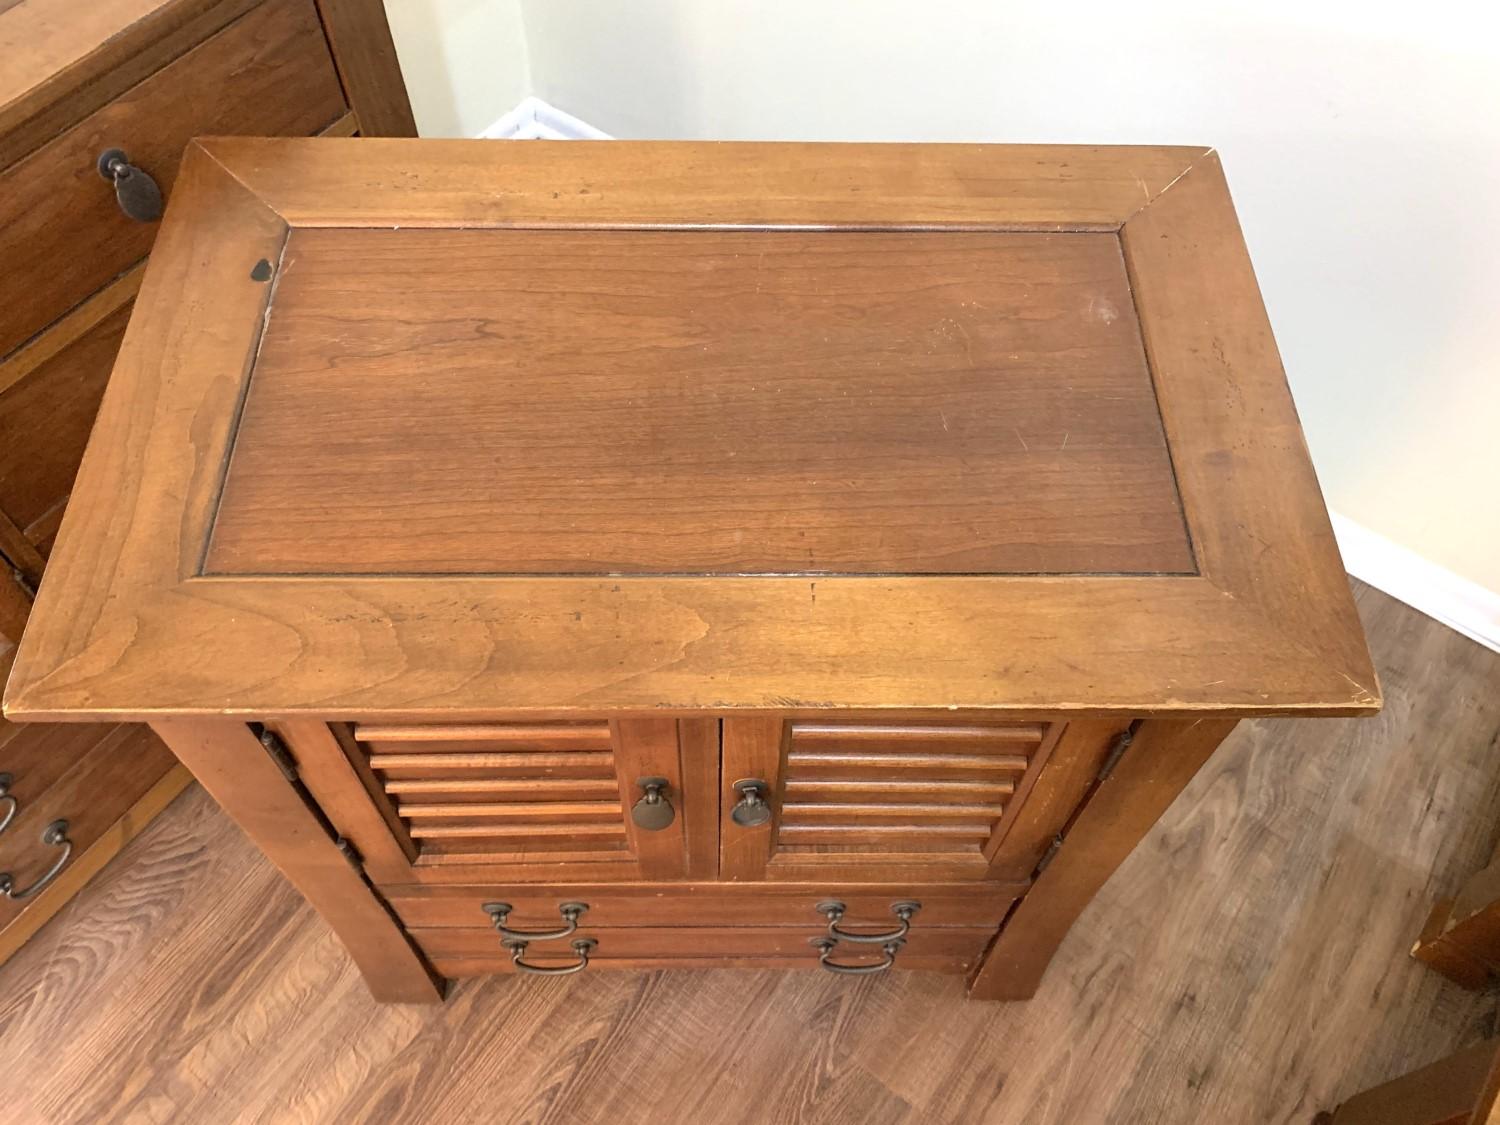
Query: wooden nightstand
x=643, y=555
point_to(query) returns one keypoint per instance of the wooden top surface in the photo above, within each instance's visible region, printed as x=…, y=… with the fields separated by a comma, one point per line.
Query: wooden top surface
x=459, y=429
x=699, y=402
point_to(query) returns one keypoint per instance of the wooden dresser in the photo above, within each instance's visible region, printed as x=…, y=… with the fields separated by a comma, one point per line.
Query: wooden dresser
x=97, y=102
x=565, y=557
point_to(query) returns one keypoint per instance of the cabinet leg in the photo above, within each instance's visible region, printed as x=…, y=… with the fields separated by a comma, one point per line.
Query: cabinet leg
x=1117, y=814
x=229, y=761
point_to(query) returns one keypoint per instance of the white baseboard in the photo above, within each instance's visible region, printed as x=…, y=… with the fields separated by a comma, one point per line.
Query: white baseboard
x=1464, y=606
x=535, y=120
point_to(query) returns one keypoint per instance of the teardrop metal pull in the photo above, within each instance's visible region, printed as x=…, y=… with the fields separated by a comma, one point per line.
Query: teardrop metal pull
x=653, y=812
x=136, y=192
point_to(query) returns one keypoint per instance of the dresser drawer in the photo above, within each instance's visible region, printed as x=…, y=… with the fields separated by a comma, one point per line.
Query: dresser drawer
x=62, y=234
x=473, y=952
x=46, y=415
x=93, y=793
x=656, y=905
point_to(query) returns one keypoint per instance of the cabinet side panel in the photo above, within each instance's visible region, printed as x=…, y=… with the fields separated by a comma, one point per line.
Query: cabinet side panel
x=232, y=765
x=1121, y=809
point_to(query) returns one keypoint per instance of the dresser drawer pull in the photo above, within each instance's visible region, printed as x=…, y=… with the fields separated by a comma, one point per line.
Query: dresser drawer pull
x=825, y=947
x=499, y=913
x=751, y=810
x=55, y=835
x=834, y=912
x=583, y=947
x=12, y=806
x=653, y=811
x=136, y=192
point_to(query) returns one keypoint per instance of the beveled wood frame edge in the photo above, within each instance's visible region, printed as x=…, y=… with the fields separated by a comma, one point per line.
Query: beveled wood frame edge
x=1261, y=592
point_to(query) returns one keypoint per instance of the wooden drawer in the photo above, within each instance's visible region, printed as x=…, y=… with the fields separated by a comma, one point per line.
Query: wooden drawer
x=473, y=952
x=703, y=904
x=46, y=415
x=62, y=235
x=91, y=795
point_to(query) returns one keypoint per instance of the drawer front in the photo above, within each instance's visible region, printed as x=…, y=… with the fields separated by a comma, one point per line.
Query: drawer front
x=46, y=416
x=470, y=952
x=90, y=796
x=716, y=905
x=847, y=799
x=62, y=234
x=534, y=802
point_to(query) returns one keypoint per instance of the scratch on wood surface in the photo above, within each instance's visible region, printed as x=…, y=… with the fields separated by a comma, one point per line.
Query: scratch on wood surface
x=1022, y=440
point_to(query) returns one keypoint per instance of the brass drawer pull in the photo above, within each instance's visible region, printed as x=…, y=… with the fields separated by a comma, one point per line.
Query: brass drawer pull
x=499, y=913
x=751, y=810
x=583, y=947
x=55, y=835
x=834, y=912
x=653, y=812
x=12, y=806
x=136, y=192
x=825, y=947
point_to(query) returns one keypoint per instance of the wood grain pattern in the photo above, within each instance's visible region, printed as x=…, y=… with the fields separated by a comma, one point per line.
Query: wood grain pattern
x=368, y=69
x=38, y=462
x=64, y=234
x=15, y=608
x=125, y=628
x=735, y=402
x=190, y=983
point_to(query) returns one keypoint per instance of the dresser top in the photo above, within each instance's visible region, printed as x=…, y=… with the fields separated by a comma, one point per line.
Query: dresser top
x=409, y=429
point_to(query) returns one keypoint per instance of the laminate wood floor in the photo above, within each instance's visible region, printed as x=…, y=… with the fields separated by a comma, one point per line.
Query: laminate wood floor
x=1247, y=964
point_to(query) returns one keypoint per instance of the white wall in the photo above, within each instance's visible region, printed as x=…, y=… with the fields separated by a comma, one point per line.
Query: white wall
x=464, y=61
x=1362, y=141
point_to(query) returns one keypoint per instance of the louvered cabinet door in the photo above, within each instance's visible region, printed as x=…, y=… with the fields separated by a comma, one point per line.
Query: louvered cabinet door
x=874, y=800
x=534, y=801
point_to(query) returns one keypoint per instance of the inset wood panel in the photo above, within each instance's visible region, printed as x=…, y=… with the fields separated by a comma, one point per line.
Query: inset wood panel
x=709, y=402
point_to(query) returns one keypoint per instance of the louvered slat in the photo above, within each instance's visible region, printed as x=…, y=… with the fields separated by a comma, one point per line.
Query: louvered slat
x=489, y=789
x=539, y=811
x=584, y=764
x=934, y=792
x=807, y=813
x=485, y=791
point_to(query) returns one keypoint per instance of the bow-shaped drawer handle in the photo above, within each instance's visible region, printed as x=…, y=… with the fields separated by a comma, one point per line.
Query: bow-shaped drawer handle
x=825, y=947
x=834, y=912
x=499, y=913
x=12, y=806
x=582, y=947
x=54, y=835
